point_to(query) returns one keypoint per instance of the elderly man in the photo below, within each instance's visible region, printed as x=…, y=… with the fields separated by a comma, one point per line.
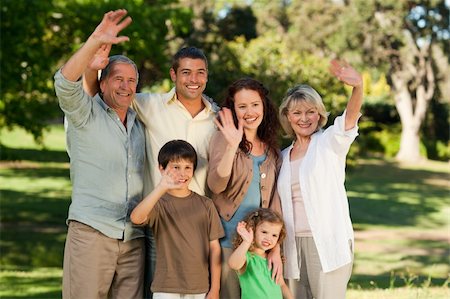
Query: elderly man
x=104, y=253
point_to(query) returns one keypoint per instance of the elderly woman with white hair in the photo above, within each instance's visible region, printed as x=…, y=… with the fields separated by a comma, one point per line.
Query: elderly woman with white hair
x=319, y=243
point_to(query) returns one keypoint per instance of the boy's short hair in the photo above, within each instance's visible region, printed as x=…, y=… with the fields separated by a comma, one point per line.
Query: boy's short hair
x=176, y=150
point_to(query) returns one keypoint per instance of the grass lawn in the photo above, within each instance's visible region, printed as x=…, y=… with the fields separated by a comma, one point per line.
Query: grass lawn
x=401, y=217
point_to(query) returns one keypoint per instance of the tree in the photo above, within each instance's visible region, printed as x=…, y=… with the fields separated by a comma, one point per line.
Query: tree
x=407, y=45
x=37, y=35
x=238, y=21
x=27, y=55
x=396, y=37
x=400, y=36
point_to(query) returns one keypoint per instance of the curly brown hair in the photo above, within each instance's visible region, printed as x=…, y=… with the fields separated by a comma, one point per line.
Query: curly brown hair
x=257, y=217
x=268, y=129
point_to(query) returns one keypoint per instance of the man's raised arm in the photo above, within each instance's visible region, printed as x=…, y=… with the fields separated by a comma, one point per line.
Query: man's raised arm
x=104, y=35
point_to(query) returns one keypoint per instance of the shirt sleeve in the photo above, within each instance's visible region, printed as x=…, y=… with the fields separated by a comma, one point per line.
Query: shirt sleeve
x=73, y=100
x=154, y=213
x=141, y=104
x=340, y=140
x=275, y=201
x=217, y=146
x=216, y=229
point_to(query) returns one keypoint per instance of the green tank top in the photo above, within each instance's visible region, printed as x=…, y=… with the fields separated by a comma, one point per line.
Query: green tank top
x=256, y=281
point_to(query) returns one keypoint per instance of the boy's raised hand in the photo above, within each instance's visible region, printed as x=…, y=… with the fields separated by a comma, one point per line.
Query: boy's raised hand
x=246, y=234
x=168, y=180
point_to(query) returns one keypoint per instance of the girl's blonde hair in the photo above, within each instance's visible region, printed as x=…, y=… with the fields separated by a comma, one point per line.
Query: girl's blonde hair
x=257, y=217
x=301, y=94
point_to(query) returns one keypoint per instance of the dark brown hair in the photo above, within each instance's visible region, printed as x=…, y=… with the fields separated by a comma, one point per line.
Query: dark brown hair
x=176, y=150
x=268, y=129
x=188, y=52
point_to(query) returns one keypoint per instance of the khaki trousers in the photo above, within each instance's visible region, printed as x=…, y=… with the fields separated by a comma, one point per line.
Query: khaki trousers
x=314, y=283
x=229, y=281
x=178, y=296
x=96, y=266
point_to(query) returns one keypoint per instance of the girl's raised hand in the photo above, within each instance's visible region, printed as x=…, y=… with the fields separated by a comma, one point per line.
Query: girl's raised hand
x=226, y=125
x=345, y=72
x=246, y=234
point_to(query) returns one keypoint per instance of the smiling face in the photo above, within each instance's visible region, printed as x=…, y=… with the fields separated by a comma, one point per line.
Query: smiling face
x=304, y=119
x=266, y=236
x=119, y=87
x=249, y=107
x=190, y=79
x=182, y=171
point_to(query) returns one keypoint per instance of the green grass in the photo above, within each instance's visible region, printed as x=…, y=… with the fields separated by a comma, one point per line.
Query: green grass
x=26, y=283
x=401, y=219
x=401, y=216
x=34, y=199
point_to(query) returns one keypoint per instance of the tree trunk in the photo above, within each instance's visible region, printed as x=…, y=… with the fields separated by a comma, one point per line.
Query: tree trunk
x=411, y=119
x=409, y=144
x=414, y=85
x=410, y=141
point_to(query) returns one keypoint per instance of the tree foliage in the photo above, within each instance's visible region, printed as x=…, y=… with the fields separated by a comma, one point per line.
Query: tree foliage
x=402, y=47
x=36, y=36
x=27, y=55
x=396, y=38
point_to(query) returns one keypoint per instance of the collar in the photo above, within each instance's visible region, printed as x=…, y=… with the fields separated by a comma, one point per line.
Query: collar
x=209, y=103
x=105, y=106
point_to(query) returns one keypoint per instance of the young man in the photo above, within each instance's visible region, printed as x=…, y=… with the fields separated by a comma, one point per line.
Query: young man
x=104, y=253
x=183, y=113
x=186, y=227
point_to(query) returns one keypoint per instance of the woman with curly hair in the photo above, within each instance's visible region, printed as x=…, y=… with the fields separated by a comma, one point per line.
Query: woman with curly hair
x=244, y=161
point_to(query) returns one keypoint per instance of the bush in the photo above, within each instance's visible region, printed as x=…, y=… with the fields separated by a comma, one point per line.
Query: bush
x=437, y=150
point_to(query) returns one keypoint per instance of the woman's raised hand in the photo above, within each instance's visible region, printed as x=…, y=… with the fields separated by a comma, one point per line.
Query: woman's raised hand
x=345, y=72
x=226, y=125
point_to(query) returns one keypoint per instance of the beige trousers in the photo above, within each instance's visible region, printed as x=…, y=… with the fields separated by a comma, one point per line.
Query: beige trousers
x=229, y=281
x=96, y=266
x=314, y=283
x=178, y=296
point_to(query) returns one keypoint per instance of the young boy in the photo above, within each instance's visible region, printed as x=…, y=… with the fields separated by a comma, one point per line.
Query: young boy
x=186, y=227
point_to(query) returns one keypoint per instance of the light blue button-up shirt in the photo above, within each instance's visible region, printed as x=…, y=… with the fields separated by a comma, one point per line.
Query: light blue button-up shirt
x=106, y=161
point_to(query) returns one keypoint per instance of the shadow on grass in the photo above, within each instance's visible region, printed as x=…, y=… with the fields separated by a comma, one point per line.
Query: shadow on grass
x=25, y=283
x=36, y=172
x=387, y=212
x=36, y=155
x=38, y=194
x=386, y=281
x=31, y=247
x=43, y=295
x=36, y=208
x=386, y=194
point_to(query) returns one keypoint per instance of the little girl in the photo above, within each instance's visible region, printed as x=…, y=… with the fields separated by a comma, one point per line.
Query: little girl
x=259, y=232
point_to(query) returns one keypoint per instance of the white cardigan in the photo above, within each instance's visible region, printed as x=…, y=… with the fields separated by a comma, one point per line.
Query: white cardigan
x=322, y=176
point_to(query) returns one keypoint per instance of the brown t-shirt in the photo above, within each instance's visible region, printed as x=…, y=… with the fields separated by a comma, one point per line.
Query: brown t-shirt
x=183, y=228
